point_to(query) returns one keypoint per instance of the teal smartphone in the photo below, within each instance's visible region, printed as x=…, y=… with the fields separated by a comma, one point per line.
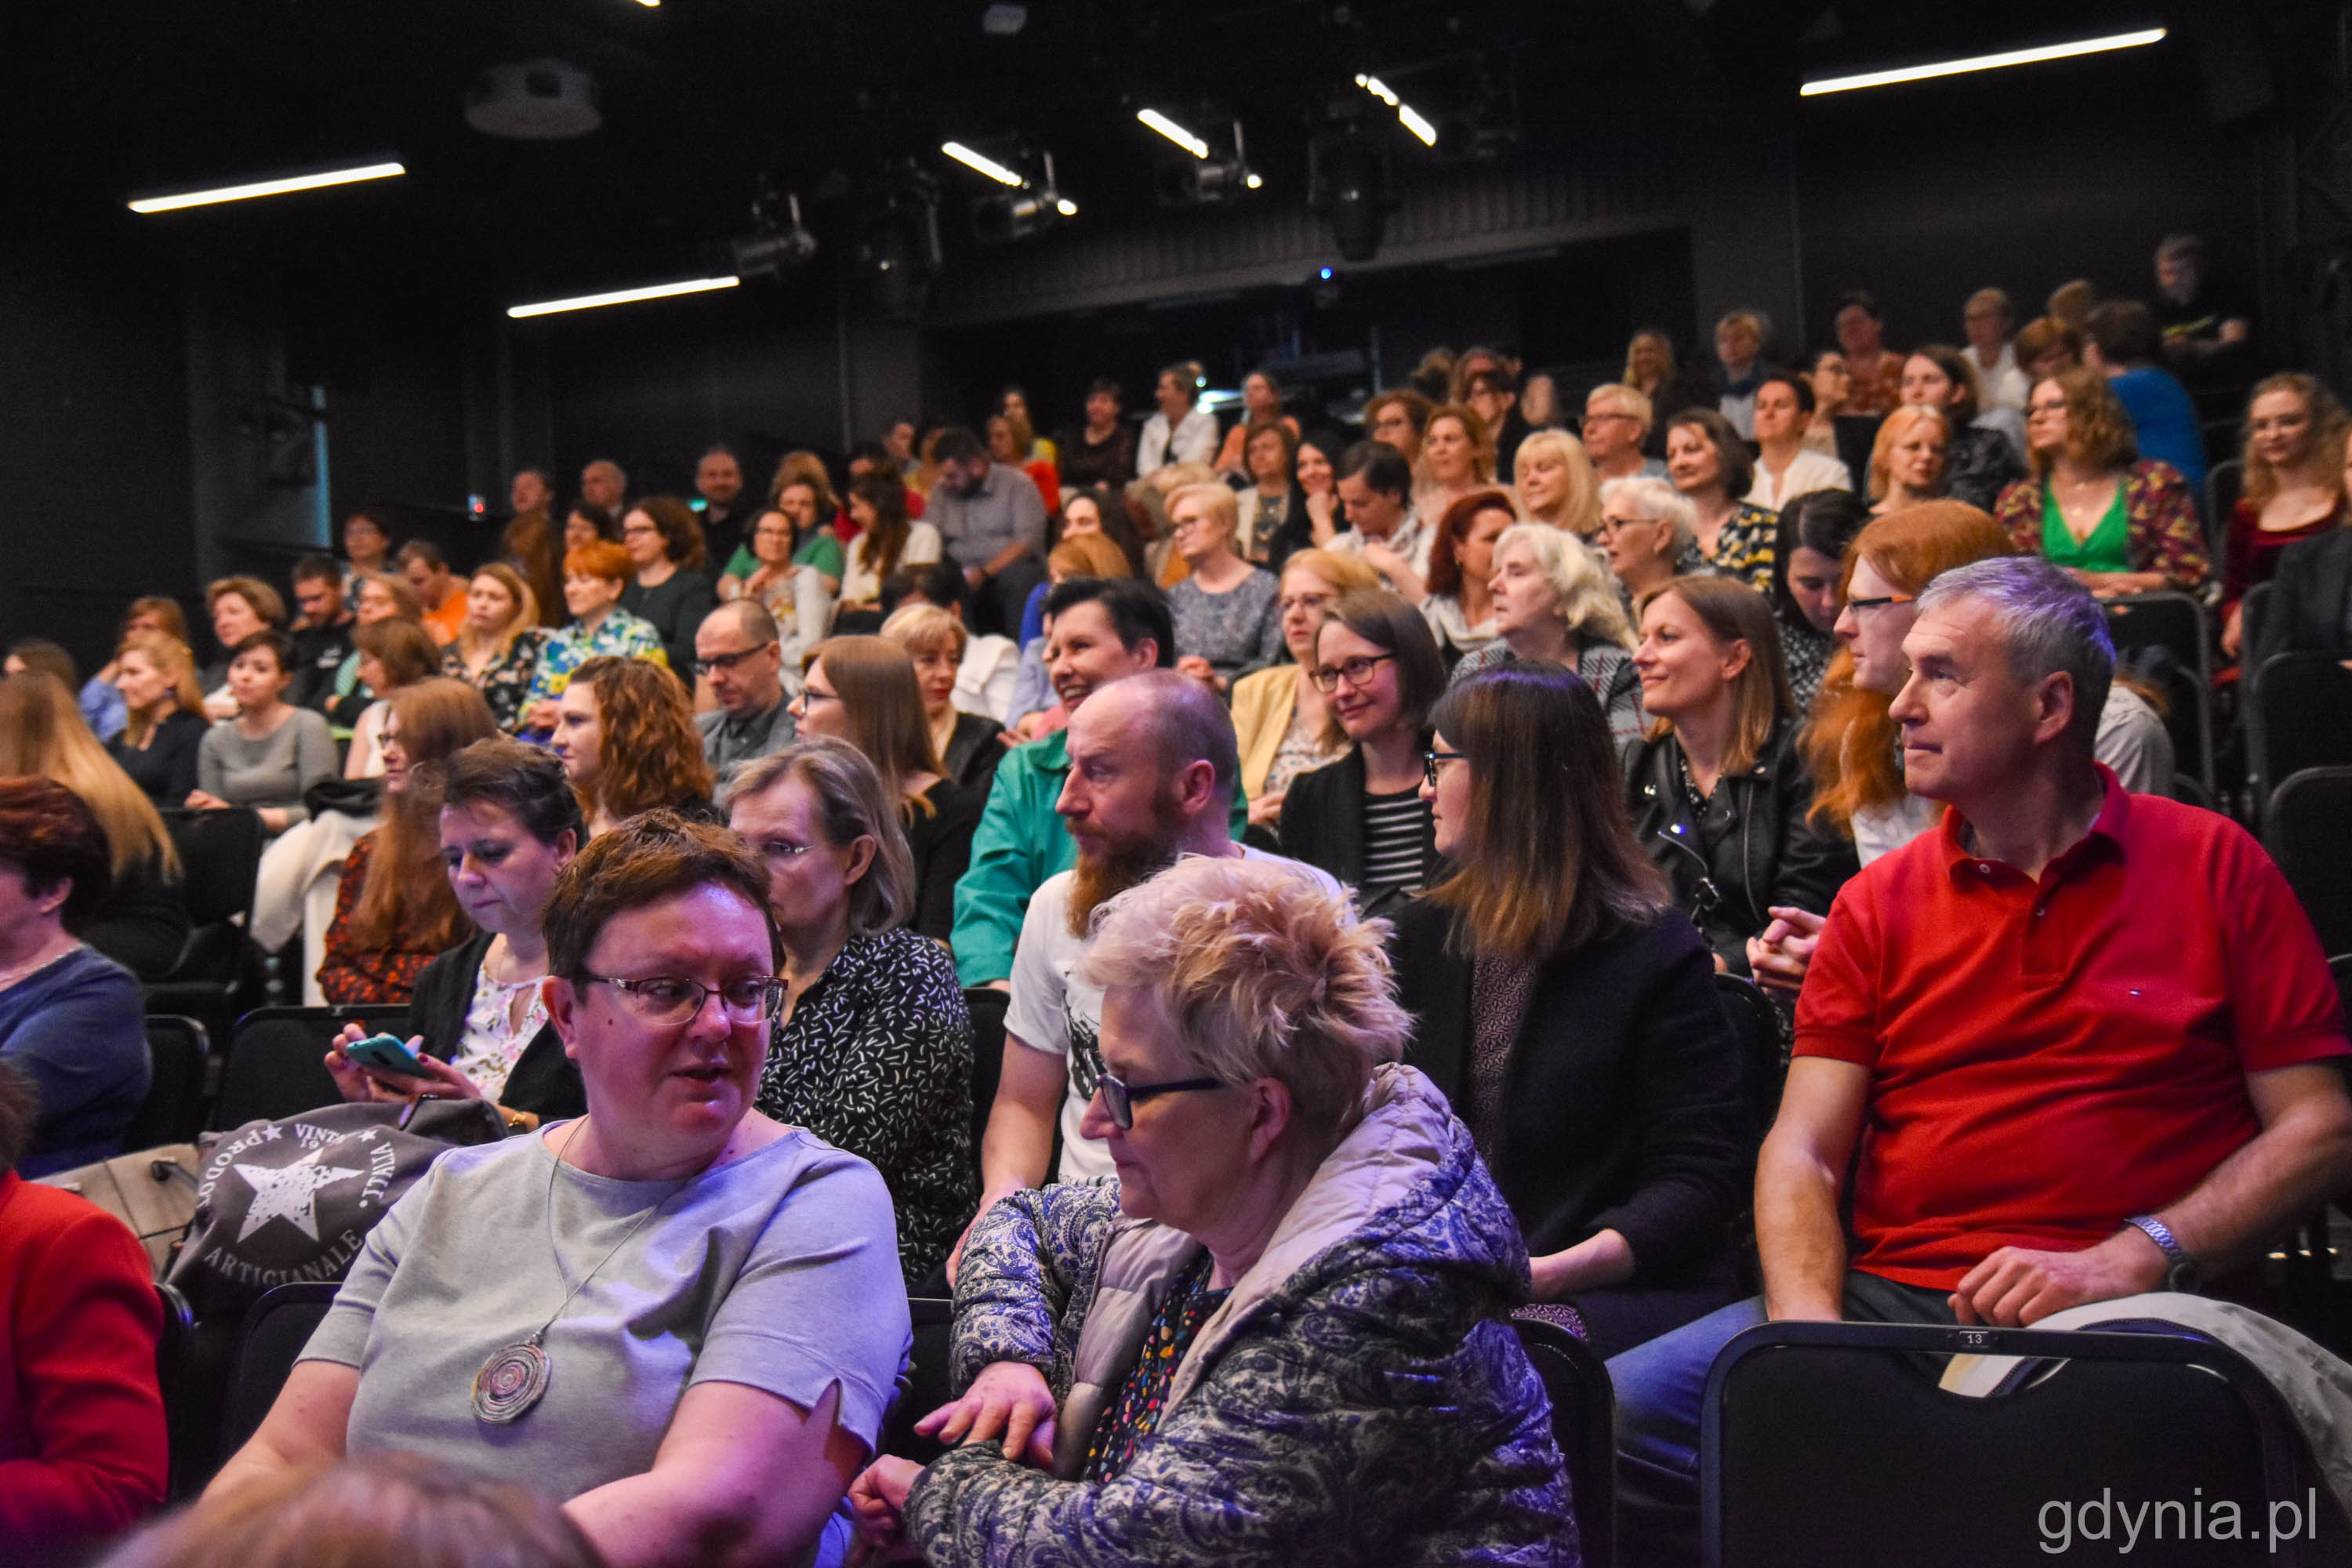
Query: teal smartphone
x=386, y=1053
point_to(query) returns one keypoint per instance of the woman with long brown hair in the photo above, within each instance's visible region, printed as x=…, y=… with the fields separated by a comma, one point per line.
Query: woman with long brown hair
x=886, y=540
x=2119, y=525
x=1716, y=788
x=163, y=715
x=626, y=736
x=138, y=921
x=1568, y=1010
x=2294, y=489
x=496, y=652
x=864, y=691
x=392, y=654
x=394, y=911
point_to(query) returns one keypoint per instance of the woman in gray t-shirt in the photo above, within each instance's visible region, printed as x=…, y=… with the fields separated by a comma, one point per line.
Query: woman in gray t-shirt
x=680, y=1317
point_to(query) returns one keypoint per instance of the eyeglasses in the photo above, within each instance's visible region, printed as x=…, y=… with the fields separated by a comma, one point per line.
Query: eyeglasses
x=1305, y=602
x=1120, y=1099
x=1859, y=606
x=1429, y=761
x=663, y=999
x=1610, y=524
x=1610, y=414
x=811, y=696
x=718, y=662
x=1354, y=671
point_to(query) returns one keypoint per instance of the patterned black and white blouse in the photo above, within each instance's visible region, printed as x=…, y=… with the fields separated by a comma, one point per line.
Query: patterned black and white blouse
x=876, y=1060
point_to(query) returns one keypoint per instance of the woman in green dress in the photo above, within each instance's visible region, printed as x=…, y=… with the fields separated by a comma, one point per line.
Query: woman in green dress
x=2120, y=524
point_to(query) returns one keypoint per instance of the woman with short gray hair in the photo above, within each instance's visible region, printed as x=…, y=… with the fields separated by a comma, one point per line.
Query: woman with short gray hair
x=1296, y=1281
x=1648, y=533
x=872, y=1049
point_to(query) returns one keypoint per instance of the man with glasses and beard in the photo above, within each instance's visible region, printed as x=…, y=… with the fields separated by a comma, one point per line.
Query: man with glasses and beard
x=1151, y=776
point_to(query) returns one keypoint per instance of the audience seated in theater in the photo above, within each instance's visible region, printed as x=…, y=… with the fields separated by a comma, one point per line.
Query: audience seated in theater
x=2312, y=612
x=992, y=522
x=1151, y=768
x=2045, y=346
x=793, y=595
x=886, y=540
x=594, y=577
x=40, y=654
x=1651, y=371
x=378, y=599
x=508, y=824
x=1104, y=630
x=1615, y=429
x=1317, y=467
x=727, y=510
x=627, y=739
x=1460, y=608
x=1012, y=444
x=440, y=593
x=670, y=587
x=1084, y=512
x=1032, y=712
x=1786, y=467
x=394, y=911
x=864, y=691
x=1274, y=519
x=2293, y=471
x=1013, y=403
x=1396, y=418
x=1493, y=395
x=802, y=492
x=1716, y=787
x=238, y=607
x=1646, y=528
x=1282, y=725
x=1908, y=458
x=585, y=524
x=1983, y=453
x=1260, y=405
x=1807, y=594
x=164, y=721
x=1102, y=450
x=1458, y=457
x=1554, y=604
x=100, y=698
x=1146, y=502
x=393, y=655
x=70, y=1017
x=2205, y=329
x=384, y=1508
x=935, y=639
x=1877, y=371
x=605, y=484
x=1710, y=465
x=1539, y=402
x=1180, y=431
x=497, y=651
x=1739, y=346
x=1568, y=1010
x=1556, y=483
x=367, y=546
x=83, y=1444
x=322, y=632
x=1375, y=488
x=270, y=754
x=1987, y=320
x=1832, y=384
x=2164, y=421
x=2120, y=523
x=1326, y=1238
x=1361, y=819
x=741, y=664
x=535, y=540
x=2151, y=1125
x=872, y=1051
x=1227, y=623
x=700, y=1422
x=139, y=921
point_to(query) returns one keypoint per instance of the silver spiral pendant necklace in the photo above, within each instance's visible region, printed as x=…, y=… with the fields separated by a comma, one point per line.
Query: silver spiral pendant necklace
x=516, y=1376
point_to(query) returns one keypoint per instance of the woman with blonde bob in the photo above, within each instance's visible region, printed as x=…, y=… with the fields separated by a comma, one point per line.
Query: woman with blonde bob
x=1553, y=605
x=164, y=711
x=965, y=739
x=1554, y=483
x=496, y=650
x=872, y=1051
x=864, y=691
x=1301, y=1231
x=1282, y=723
x=1227, y=623
x=140, y=922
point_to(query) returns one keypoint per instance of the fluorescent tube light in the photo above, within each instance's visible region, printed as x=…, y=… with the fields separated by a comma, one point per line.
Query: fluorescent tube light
x=623, y=297
x=1408, y=116
x=266, y=188
x=986, y=165
x=1982, y=63
x=1173, y=132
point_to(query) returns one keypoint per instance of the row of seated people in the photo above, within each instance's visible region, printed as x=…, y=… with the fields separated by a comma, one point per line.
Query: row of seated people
x=1307, y=1113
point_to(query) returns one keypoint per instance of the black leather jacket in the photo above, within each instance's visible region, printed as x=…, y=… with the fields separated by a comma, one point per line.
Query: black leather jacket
x=1750, y=848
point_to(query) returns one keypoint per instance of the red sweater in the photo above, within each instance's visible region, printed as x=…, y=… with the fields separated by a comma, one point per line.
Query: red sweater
x=82, y=1450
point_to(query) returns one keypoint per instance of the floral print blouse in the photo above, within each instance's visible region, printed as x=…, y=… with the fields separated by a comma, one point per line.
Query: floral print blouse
x=2164, y=534
x=505, y=682
x=620, y=634
x=1744, y=549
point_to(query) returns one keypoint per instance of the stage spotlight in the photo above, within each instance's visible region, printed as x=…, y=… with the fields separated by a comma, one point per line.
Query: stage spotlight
x=1033, y=205
x=1208, y=179
x=774, y=247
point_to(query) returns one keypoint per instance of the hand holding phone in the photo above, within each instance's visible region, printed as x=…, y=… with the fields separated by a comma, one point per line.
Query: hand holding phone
x=385, y=1053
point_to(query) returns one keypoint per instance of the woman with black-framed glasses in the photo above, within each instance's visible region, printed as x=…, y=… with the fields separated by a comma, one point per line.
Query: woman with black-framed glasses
x=1295, y=1283
x=679, y=1317
x=1568, y=1010
x=1363, y=818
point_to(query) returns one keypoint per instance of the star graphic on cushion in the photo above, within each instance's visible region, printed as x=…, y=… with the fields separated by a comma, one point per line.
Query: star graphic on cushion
x=290, y=1195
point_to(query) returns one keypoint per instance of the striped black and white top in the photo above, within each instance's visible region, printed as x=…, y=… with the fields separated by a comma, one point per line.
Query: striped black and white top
x=1395, y=827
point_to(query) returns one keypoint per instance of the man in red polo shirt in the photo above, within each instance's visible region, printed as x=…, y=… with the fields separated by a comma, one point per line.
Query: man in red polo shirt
x=2089, y=1035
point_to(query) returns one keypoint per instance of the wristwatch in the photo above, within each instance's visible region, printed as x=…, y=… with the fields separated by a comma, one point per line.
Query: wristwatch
x=2180, y=1271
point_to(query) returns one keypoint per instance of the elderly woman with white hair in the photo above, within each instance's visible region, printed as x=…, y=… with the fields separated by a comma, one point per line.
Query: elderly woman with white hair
x=1296, y=1287
x=1552, y=603
x=1649, y=533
